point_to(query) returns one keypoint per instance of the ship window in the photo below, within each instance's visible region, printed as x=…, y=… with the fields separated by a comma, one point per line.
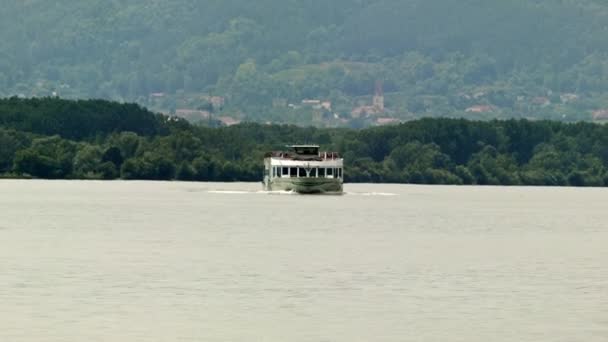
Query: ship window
x=313, y=173
x=330, y=172
x=307, y=150
x=321, y=172
x=293, y=172
x=341, y=170
x=285, y=171
x=302, y=172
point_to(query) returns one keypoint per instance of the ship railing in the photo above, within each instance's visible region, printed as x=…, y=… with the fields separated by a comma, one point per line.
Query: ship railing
x=288, y=155
x=330, y=155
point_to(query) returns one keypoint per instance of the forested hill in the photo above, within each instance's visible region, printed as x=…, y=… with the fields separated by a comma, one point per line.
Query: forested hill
x=428, y=151
x=481, y=59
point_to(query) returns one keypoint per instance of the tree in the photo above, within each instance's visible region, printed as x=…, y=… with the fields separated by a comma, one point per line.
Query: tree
x=87, y=162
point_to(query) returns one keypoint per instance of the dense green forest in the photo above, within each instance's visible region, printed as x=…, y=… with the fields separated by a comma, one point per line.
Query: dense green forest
x=38, y=138
x=457, y=58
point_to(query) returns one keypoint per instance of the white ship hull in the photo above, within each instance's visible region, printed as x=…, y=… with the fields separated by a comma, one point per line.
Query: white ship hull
x=309, y=172
x=305, y=185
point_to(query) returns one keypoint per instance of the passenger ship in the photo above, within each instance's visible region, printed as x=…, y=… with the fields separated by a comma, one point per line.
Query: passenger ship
x=304, y=169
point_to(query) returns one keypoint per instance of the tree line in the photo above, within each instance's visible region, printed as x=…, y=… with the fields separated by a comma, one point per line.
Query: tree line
x=428, y=151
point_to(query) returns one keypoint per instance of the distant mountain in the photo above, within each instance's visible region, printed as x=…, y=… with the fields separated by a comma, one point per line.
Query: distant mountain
x=479, y=59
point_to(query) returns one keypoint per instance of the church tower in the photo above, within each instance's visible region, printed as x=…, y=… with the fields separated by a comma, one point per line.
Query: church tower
x=379, y=98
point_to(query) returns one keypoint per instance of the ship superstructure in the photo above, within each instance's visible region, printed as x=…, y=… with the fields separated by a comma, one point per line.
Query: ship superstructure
x=304, y=169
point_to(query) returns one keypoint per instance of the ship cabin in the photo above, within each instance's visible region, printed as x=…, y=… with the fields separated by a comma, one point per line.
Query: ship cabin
x=304, y=161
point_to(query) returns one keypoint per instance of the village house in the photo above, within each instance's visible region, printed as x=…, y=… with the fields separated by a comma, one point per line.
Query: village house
x=480, y=109
x=309, y=102
x=568, y=97
x=314, y=104
x=217, y=102
x=479, y=94
x=362, y=111
x=600, y=115
x=192, y=114
x=387, y=121
x=541, y=101
x=326, y=105
x=376, y=108
x=228, y=120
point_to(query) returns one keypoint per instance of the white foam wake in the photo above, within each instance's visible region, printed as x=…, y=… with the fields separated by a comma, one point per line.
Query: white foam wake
x=231, y=192
x=262, y=192
x=370, y=194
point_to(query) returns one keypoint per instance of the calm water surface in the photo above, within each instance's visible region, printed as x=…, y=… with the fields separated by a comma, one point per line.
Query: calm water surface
x=142, y=261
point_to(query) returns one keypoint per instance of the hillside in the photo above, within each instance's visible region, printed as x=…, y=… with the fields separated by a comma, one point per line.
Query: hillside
x=477, y=59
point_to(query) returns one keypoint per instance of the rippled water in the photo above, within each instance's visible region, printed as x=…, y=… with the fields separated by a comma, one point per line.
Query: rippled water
x=142, y=261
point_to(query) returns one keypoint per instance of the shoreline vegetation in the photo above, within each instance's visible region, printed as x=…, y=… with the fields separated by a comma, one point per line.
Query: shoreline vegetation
x=51, y=138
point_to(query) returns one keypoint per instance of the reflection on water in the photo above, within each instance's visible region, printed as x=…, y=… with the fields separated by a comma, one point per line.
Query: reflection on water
x=143, y=261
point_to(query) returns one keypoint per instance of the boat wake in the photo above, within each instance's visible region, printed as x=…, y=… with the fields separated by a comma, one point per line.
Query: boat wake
x=261, y=192
x=370, y=194
x=292, y=193
x=230, y=192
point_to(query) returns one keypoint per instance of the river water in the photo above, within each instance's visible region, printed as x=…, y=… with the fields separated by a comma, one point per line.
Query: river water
x=145, y=261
